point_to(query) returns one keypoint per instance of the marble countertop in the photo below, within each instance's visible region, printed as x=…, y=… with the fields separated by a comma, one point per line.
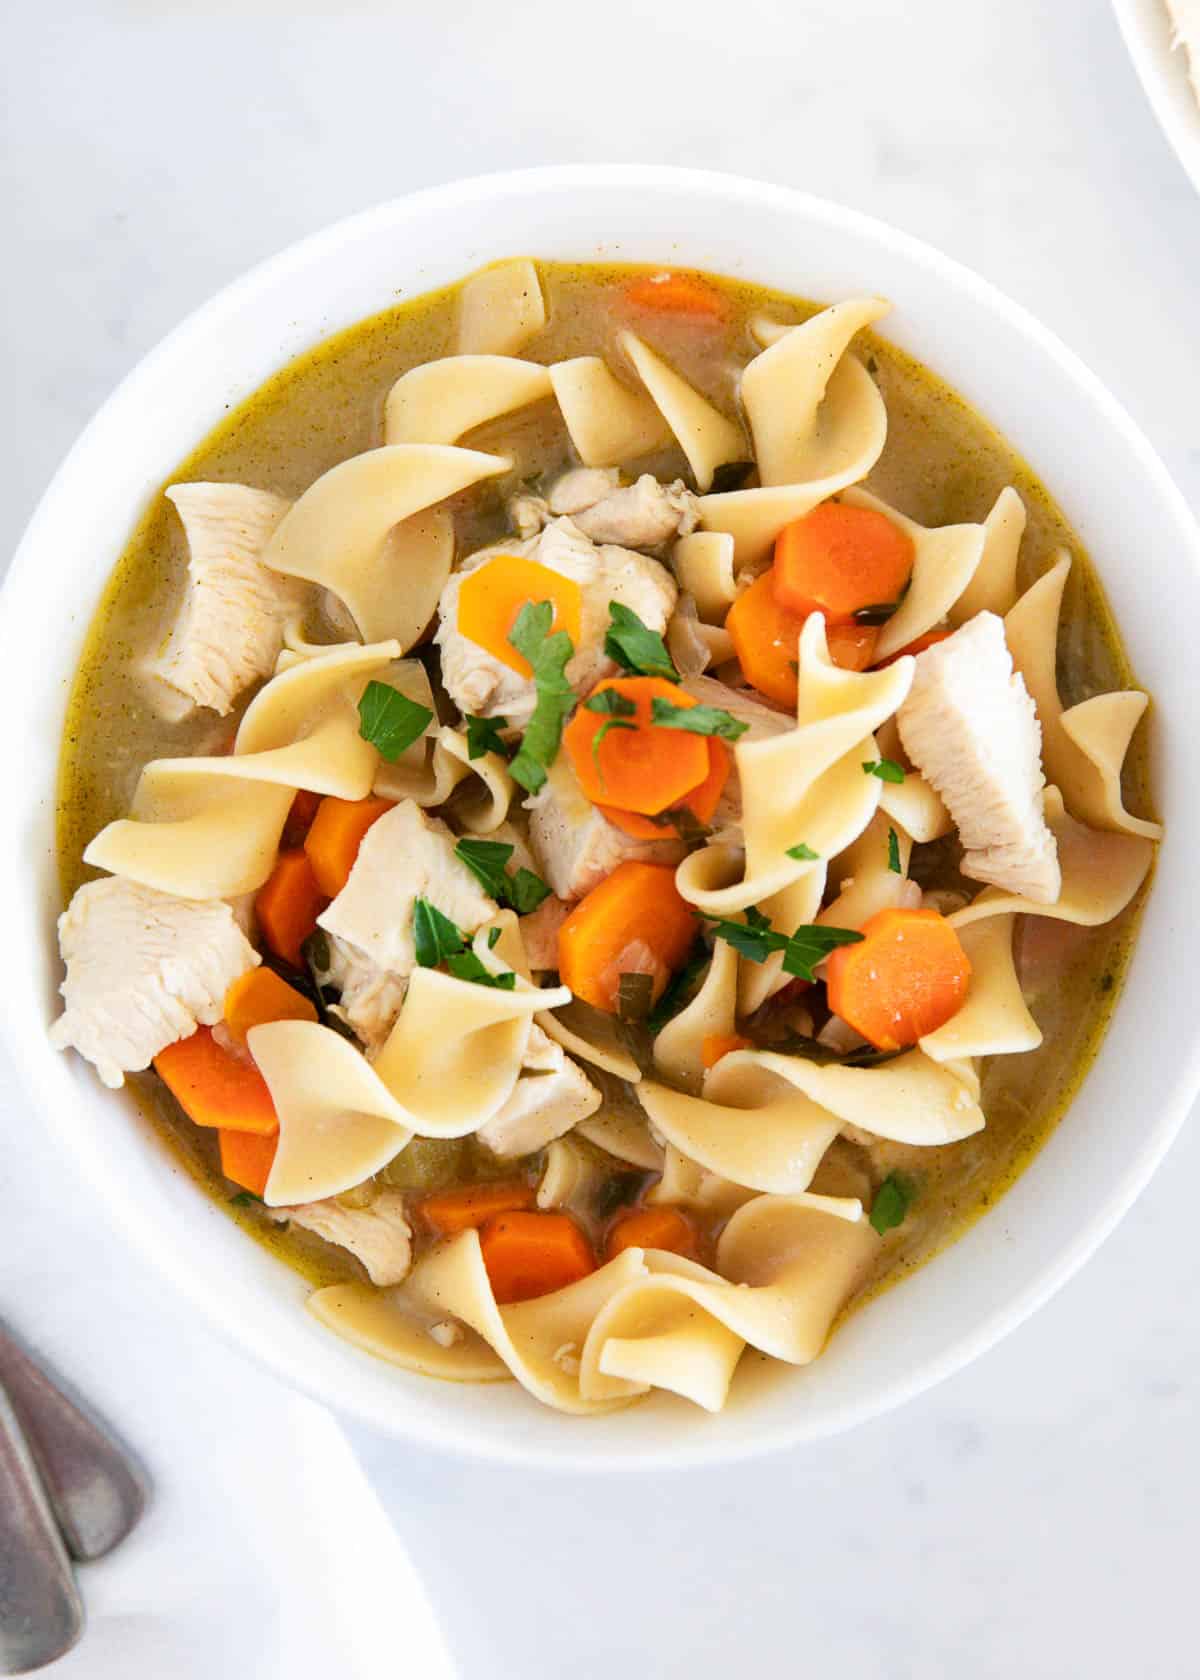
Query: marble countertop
x=1039, y=1514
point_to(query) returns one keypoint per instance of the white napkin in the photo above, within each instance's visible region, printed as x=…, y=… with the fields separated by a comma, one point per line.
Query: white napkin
x=264, y=1551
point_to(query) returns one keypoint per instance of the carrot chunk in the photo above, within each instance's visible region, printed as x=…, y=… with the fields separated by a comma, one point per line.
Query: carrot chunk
x=839, y=559
x=852, y=646
x=905, y=978
x=715, y=1045
x=261, y=995
x=247, y=1158
x=638, y=765
x=531, y=1254
x=451, y=1211
x=491, y=596
x=634, y=922
x=670, y=293
x=766, y=639
x=287, y=905
x=332, y=842
x=701, y=803
x=215, y=1088
x=653, y=1227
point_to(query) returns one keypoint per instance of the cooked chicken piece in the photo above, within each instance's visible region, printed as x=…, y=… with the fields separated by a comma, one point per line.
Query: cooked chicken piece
x=144, y=969
x=970, y=727
x=485, y=686
x=230, y=628
x=550, y=1097
x=404, y=856
x=539, y=930
x=643, y=515
x=762, y=722
x=580, y=488
x=379, y=1235
x=575, y=844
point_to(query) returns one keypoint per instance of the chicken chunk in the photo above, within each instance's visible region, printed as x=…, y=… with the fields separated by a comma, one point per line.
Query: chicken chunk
x=580, y=488
x=575, y=844
x=646, y=514
x=144, y=969
x=230, y=628
x=404, y=856
x=539, y=931
x=550, y=1097
x=972, y=730
x=485, y=686
x=379, y=1234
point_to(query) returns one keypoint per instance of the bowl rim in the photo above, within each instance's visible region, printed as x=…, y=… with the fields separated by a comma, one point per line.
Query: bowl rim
x=32, y=1056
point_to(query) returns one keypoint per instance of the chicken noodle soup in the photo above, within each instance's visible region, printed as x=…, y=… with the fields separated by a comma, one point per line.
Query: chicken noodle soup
x=603, y=814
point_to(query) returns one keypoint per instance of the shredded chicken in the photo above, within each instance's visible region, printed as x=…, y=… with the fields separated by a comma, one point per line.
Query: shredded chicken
x=551, y=1095
x=645, y=514
x=378, y=1235
x=970, y=727
x=539, y=930
x=575, y=844
x=144, y=969
x=230, y=628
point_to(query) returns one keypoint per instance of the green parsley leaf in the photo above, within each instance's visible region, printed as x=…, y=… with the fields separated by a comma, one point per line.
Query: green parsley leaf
x=548, y=655
x=435, y=936
x=245, y=1198
x=483, y=736
x=465, y=965
x=605, y=727
x=892, y=1201
x=885, y=768
x=894, y=852
x=611, y=703
x=681, y=988
x=488, y=862
x=493, y=938
x=527, y=891
x=636, y=647
x=389, y=720
x=696, y=720
x=635, y=994
x=803, y=853
x=754, y=938
x=811, y=944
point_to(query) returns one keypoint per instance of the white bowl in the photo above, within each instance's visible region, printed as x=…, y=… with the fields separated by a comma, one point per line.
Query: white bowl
x=1093, y=459
x=1161, y=64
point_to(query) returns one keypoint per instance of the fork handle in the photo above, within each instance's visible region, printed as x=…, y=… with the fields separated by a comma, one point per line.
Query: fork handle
x=41, y=1615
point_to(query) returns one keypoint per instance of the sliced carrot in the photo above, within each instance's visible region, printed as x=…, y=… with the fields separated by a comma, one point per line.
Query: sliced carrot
x=701, y=803
x=641, y=768
x=839, y=559
x=247, y=1158
x=491, y=596
x=852, y=646
x=670, y=293
x=261, y=995
x=531, y=1254
x=656, y=1227
x=918, y=645
x=451, y=1211
x=287, y=905
x=215, y=1087
x=634, y=922
x=907, y=977
x=332, y=842
x=715, y=1045
x=766, y=639
x=300, y=817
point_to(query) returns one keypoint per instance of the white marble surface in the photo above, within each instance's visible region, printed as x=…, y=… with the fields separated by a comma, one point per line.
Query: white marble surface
x=1040, y=1513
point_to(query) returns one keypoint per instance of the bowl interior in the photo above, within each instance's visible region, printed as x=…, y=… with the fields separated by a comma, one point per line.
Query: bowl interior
x=1111, y=486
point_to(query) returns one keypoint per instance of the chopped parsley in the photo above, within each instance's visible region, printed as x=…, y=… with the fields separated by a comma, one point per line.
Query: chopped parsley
x=390, y=721
x=681, y=988
x=610, y=702
x=892, y=1201
x=635, y=647
x=465, y=965
x=483, y=736
x=803, y=853
x=245, y=1198
x=488, y=861
x=547, y=655
x=696, y=720
x=439, y=940
x=894, y=852
x=885, y=768
x=757, y=940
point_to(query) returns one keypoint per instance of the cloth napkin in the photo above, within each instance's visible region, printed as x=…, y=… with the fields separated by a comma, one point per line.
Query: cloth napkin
x=263, y=1553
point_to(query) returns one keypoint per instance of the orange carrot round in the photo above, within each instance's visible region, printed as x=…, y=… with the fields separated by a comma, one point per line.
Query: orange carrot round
x=634, y=922
x=653, y=1227
x=214, y=1087
x=491, y=596
x=701, y=803
x=766, y=639
x=852, y=646
x=669, y=293
x=839, y=559
x=715, y=1045
x=641, y=768
x=247, y=1158
x=451, y=1211
x=532, y=1254
x=287, y=905
x=907, y=977
x=331, y=844
x=260, y=995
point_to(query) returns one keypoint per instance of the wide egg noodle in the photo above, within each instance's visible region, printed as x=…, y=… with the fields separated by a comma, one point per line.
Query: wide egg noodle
x=679, y=1046
x=913, y=804
x=704, y=434
x=778, y=1148
x=703, y=565
x=445, y=763
x=438, y=402
x=814, y=410
x=945, y=559
x=685, y=1183
x=335, y=534
x=210, y=827
x=1084, y=747
x=607, y=422
x=866, y=880
x=500, y=309
x=383, y=1323
x=993, y=586
x=993, y=1019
